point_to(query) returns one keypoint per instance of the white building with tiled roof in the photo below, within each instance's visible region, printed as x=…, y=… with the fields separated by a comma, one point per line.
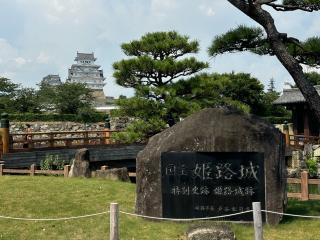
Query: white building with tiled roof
x=86, y=71
x=52, y=80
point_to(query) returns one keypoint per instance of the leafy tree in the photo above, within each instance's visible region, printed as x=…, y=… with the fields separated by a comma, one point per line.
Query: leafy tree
x=47, y=97
x=269, y=109
x=187, y=96
x=155, y=62
x=25, y=100
x=236, y=90
x=7, y=90
x=71, y=97
x=246, y=89
x=313, y=77
x=290, y=51
x=6, y=87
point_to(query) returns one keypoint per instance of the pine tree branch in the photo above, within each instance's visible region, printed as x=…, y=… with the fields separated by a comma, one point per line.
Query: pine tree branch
x=265, y=19
x=261, y=2
x=303, y=7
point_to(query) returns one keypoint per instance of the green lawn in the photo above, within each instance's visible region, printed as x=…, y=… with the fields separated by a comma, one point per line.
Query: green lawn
x=51, y=197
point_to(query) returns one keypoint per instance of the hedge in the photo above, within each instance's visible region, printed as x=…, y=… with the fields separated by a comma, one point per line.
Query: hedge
x=32, y=117
x=277, y=120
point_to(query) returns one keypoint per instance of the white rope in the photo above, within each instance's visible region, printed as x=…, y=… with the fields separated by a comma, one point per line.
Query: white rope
x=157, y=218
x=53, y=219
x=291, y=215
x=185, y=219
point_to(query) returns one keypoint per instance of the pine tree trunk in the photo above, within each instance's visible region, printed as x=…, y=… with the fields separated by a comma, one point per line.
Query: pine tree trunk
x=255, y=12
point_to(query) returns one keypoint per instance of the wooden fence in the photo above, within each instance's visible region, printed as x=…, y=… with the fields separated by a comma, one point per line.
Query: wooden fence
x=61, y=139
x=32, y=171
x=298, y=141
x=304, y=182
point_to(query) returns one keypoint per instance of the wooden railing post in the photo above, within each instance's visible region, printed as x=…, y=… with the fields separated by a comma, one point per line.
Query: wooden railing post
x=1, y=169
x=107, y=126
x=68, y=142
x=4, y=133
x=66, y=170
x=86, y=138
x=51, y=140
x=32, y=169
x=286, y=133
x=304, y=186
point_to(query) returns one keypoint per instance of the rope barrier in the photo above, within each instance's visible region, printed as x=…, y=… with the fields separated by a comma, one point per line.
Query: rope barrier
x=185, y=219
x=157, y=218
x=53, y=219
x=291, y=215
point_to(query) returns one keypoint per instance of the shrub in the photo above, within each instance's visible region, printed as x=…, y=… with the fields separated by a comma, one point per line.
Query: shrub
x=52, y=162
x=312, y=165
x=277, y=120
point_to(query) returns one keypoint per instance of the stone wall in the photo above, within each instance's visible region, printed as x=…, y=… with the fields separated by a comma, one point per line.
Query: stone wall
x=20, y=127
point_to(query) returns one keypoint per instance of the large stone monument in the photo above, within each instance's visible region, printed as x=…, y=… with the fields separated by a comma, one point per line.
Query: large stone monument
x=215, y=162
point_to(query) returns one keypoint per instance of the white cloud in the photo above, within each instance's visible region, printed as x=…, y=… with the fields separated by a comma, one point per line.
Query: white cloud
x=210, y=12
x=6, y=50
x=20, y=61
x=52, y=19
x=160, y=7
x=207, y=10
x=9, y=75
x=43, y=58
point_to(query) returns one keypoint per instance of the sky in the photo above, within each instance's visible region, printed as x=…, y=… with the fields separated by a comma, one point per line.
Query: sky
x=41, y=37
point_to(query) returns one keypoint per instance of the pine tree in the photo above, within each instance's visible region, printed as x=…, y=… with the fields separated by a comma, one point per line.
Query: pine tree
x=155, y=62
x=269, y=41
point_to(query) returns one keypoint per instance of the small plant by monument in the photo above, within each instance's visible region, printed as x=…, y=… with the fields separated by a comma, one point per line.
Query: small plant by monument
x=52, y=162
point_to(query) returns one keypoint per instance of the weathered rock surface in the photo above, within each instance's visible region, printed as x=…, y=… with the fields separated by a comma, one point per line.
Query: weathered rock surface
x=213, y=130
x=80, y=165
x=221, y=232
x=120, y=174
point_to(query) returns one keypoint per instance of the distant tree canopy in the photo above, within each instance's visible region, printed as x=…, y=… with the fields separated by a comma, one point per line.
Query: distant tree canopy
x=313, y=77
x=7, y=87
x=67, y=98
x=26, y=100
x=7, y=91
x=269, y=41
x=238, y=90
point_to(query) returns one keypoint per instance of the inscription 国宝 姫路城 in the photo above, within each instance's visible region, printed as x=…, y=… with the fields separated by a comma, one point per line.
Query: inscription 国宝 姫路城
x=205, y=184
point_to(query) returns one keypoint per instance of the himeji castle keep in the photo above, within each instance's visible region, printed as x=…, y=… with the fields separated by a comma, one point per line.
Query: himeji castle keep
x=84, y=70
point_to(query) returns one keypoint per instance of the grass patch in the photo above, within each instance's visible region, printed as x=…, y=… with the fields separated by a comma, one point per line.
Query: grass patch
x=52, y=197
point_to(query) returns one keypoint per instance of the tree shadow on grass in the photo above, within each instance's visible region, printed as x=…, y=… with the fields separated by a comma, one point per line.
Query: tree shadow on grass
x=307, y=208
